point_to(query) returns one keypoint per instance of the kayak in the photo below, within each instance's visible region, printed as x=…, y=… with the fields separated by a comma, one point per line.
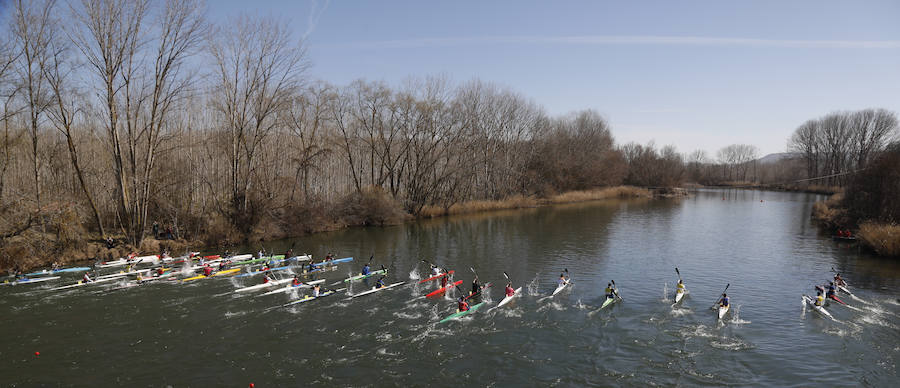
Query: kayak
x=836, y=299
x=507, y=299
x=361, y=277
x=442, y=290
x=609, y=301
x=257, y=272
x=486, y=285
x=294, y=258
x=220, y=273
x=435, y=277
x=374, y=290
x=560, y=288
x=136, y=283
x=333, y=262
x=461, y=314
x=723, y=311
x=271, y=283
x=291, y=286
x=310, y=298
x=122, y=274
x=679, y=294
x=821, y=310
x=82, y=283
x=152, y=259
x=30, y=280
x=262, y=260
x=61, y=270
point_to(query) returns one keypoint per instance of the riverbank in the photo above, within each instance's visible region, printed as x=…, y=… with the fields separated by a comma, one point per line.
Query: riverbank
x=882, y=238
x=812, y=189
x=519, y=202
x=372, y=207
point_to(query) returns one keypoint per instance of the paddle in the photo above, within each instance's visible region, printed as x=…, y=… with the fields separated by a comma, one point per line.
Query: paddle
x=679, y=274
x=720, y=298
x=616, y=289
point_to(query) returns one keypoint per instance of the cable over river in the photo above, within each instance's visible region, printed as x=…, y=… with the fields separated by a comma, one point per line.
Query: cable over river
x=203, y=333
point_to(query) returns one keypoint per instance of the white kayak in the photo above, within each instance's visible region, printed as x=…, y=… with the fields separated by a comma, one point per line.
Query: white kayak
x=271, y=283
x=507, y=299
x=82, y=283
x=292, y=287
x=560, y=288
x=31, y=280
x=122, y=274
x=723, y=310
x=137, y=260
x=679, y=294
x=812, y=304
x=374, y=290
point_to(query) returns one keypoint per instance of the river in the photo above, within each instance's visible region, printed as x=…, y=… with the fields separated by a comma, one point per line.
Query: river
x=761, y=243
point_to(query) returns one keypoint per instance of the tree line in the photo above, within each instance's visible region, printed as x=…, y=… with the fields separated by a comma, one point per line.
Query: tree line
x=120, y=113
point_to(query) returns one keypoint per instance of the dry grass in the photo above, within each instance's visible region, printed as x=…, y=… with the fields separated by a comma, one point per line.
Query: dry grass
x=520, y=201
x=884, y=239
x=607, y=193
x=829, y=212
x=515, y=202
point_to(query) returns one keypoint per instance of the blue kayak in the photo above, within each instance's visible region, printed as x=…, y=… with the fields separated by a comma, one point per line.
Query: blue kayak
x=335, y=261
x=52, y=271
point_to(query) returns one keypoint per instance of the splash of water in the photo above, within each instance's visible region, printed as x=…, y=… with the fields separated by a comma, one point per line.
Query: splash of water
x=532, y=286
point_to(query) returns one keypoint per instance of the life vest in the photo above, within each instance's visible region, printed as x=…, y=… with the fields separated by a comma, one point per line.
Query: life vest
x=819, y=300
x=510, y=291
x=725, y=301
x=296, y=282
x=680, y=286
x=207, y=271
x=463, y=306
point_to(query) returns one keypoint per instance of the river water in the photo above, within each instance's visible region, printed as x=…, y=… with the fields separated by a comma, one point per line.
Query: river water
x=761, y=243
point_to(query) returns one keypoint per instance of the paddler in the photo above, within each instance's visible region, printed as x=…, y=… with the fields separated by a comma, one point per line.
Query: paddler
x=680, y=286
x=461, y=305
x=838, y=280
x=207, y=270
x=267, y=277
x=316, y=291
x=509, y=290
x=160, y=271
x=819, y=298
x=610, y=291
x=86, y=278
x=435, y=271
x=54, y=266
x=444, y=281
x=223, y=265
x=831, y=291
x=562, y=280
x=380, y=283
x=723, y=302
x=366, y=270
x=296, y=282
x=475, y=286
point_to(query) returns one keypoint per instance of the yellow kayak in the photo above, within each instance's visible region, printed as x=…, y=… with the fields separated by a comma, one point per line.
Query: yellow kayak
x=220, y=273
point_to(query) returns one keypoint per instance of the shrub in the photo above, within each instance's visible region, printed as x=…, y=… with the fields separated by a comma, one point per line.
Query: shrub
x=884, y=239
x=371, y=206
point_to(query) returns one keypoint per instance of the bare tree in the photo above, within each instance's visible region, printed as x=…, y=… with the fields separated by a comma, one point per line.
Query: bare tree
x=258, y=69
x=66, y=105
x=34, y=28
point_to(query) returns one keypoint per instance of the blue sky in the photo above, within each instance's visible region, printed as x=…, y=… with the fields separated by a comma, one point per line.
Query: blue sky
x=696, y=74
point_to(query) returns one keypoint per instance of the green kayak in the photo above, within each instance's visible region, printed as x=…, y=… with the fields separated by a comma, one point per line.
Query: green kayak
x=361, y=277
x=462, y=313
x=255, y=261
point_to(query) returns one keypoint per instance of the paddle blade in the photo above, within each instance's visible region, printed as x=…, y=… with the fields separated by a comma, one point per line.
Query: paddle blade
x=505, y=275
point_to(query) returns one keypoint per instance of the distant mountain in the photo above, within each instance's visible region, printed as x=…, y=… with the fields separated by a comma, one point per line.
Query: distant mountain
x=777, y=157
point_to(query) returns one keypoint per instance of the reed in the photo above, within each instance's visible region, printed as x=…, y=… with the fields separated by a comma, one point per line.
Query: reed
x=598, y=194
x=884, y=239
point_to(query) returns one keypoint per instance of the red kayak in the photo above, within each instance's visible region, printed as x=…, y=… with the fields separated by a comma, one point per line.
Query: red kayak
x=436, y=277
x=441, y=291
x=836, y=299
